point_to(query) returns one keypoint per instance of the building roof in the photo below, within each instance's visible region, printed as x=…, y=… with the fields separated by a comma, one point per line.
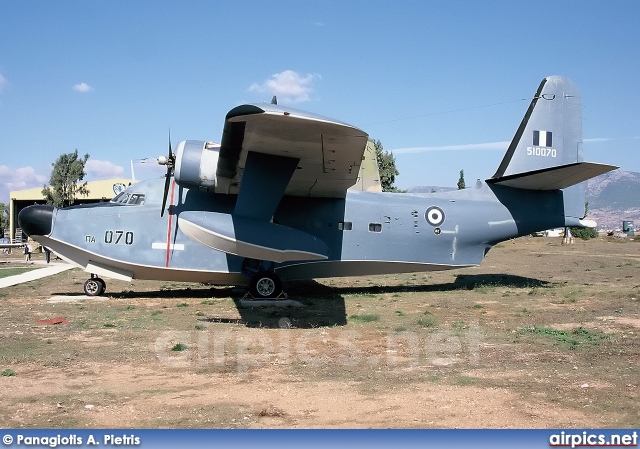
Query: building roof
x=106, y=188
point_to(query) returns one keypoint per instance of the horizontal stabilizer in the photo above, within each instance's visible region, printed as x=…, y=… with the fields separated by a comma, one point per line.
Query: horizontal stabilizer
x=255, y=239
x=553, y=178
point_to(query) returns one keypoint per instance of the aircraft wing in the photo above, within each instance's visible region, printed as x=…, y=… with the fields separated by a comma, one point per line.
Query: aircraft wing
x=328, y=152
x=266, y=152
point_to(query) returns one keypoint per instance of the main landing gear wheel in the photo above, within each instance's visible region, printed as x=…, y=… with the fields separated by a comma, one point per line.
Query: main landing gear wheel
x=265, y=285
x=94, y=287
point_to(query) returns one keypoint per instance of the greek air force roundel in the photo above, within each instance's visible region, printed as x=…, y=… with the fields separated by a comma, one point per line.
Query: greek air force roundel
x=434, y=216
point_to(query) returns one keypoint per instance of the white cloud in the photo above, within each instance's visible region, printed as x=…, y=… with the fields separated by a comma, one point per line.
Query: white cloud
x=83, y=88
x=288, y=86
x=102, y=169
x=598, y=139
x=22, y=178
x=473, y=146
x=3, y=82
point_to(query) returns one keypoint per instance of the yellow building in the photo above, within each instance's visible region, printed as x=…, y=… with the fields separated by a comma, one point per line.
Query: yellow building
x=98, y=191
x=369, y=180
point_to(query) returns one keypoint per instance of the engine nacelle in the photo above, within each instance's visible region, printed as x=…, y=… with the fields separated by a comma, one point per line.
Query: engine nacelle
x=196, y=164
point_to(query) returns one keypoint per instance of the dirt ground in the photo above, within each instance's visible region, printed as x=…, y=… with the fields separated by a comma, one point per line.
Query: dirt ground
x=540, y=335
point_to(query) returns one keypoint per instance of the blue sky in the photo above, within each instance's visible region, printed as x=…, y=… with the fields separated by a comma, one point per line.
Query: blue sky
x=444, y=84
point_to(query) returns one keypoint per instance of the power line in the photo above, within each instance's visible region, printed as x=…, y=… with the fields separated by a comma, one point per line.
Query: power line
x=446, y=112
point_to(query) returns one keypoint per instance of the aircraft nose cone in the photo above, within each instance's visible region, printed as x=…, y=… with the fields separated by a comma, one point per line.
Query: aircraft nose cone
x=36, y=220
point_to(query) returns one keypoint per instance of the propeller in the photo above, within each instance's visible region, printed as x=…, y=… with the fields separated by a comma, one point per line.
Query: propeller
x=169, y=162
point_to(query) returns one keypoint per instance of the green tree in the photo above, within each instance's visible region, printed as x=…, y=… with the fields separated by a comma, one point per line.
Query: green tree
x=586, y=209
x=68, y=171
x=584, y=233
x=4, y=219
x=461, y=184
x=386, y=167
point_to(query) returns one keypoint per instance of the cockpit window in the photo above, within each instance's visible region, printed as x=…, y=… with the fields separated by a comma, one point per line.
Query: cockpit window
x=129, y=198
x=118, y=197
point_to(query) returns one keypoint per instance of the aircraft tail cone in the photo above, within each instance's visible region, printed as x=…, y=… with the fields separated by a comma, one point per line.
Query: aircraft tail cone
x=36, y=220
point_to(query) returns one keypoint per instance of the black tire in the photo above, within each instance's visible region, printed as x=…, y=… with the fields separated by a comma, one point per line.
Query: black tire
x=104, y=286
x=94, y=287
x=264, y=285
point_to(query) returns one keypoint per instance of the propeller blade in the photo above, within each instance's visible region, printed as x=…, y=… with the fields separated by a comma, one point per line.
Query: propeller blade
x=167, y=183
x=169, y=163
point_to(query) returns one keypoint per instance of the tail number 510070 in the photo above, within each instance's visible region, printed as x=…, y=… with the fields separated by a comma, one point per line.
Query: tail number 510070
x=118, y=237
x=540, y=151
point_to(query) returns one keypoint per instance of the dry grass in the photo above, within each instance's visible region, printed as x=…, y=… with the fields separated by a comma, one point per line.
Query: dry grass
x=539, y=335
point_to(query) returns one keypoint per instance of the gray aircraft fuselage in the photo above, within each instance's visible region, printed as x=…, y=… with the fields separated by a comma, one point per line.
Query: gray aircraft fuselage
x=367, y=233
x=272, y=202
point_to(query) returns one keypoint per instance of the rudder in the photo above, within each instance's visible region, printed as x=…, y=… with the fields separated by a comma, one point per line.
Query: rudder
x=550, y=133
x=546, y=151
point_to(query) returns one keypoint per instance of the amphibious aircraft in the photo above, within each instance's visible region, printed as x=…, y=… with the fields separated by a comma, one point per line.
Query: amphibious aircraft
x=272, y=202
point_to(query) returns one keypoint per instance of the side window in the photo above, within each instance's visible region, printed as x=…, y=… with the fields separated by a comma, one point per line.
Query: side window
x=345, y=226
x=375, y=227
x=136, y=198
x=129, y=198
x=119, y=197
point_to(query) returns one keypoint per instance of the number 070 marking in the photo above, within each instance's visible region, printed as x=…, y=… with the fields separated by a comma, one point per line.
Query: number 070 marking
x=116, y=237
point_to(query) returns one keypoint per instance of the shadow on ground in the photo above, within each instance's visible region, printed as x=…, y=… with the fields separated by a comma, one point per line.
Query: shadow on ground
x=462, y=282
x=202, y=292
x=322, y=305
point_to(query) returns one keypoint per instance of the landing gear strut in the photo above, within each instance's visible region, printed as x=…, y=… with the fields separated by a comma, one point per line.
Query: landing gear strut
x=264, y=283
x=94, y=286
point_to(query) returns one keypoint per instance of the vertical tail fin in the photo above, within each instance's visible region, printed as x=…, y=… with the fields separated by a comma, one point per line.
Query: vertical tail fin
x=550, y=133
x=546, y=151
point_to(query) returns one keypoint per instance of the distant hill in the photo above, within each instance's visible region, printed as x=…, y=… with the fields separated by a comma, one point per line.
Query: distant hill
x=430, y=189
x=613, y=197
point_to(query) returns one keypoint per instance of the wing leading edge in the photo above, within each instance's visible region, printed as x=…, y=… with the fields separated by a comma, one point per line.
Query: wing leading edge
x=329, y=152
